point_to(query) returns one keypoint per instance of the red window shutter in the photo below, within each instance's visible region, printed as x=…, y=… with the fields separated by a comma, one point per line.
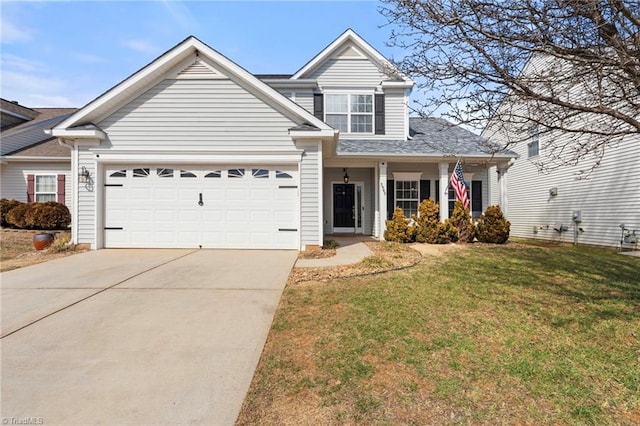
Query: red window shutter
x=61, y=189
x=31, y=188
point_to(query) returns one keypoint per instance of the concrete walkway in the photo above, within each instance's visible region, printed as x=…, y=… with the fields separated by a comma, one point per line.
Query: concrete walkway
x=351, y=250
x=137, y=337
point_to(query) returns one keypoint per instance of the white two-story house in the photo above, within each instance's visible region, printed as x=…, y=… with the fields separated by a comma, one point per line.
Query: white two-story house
x=195, y=151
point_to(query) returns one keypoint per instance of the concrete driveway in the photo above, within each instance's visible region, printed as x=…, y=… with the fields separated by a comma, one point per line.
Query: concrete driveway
x=137, y=336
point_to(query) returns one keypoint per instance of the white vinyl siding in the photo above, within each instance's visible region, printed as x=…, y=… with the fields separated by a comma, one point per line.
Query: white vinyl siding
x=348, y=72
x=198, y=114
x=310, y=187
x=304, y=99
x=87, y=199
x=13, y=178
x=395, y=114
x=608, y=198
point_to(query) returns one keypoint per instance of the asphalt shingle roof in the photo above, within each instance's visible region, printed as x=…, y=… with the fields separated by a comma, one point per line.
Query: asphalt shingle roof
x=31, y=133
x=429, y=137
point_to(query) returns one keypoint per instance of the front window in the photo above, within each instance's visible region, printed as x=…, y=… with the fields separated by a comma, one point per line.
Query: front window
x=350, y=113
x=407, y=196
x=45, y=188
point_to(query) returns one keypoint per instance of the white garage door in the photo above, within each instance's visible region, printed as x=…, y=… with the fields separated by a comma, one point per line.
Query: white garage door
x=218, y=207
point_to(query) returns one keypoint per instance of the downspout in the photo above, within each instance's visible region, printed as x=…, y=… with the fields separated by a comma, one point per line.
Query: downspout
x=74, y=188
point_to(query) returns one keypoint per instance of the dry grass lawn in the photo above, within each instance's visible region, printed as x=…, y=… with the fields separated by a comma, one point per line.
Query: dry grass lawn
x=17, y=251
x=518, y=334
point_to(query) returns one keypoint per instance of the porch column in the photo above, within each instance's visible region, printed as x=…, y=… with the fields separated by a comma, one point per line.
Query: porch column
x=444, y=193
x=503, y=198
x=382, y=198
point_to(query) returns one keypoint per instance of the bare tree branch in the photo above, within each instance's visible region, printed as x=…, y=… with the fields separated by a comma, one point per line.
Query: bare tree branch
x=563, y=65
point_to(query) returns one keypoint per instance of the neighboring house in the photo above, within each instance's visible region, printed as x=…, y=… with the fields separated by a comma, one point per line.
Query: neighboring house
x=563, y=204
x=34, y=167
x=194, y=151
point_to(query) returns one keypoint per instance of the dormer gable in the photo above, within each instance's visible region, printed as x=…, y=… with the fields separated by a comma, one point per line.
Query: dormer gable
x=349, y=46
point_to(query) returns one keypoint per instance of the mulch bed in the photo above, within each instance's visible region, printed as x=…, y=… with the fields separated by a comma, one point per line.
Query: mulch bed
x=386, y=257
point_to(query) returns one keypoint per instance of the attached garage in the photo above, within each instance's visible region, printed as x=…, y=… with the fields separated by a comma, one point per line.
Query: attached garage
x=182, y=206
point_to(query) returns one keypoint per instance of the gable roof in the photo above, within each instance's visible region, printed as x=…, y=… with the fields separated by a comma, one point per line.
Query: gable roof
x=338, y=46
x=158, y=69
x=431, y=137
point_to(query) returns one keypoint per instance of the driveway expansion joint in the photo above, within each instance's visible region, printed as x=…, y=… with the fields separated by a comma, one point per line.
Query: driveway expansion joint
x=95, y=294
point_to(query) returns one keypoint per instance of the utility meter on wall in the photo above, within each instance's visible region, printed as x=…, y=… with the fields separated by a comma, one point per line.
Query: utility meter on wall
x=577, y=216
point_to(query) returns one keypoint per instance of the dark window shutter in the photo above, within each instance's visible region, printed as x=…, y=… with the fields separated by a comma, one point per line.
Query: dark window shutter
x=318, y=106
x=61, y=189
x=476, y=196
x=438, y=191
x=425, y=189
x=391, y=199
x=379, y=114
x=31, y=188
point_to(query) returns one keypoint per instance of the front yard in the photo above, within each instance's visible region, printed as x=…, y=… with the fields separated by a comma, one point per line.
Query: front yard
x=517, y=334
x=17, y=251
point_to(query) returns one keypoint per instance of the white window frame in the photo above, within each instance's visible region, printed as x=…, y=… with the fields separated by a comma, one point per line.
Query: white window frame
x=36, y=193
x=406, y=177
x=349, y=113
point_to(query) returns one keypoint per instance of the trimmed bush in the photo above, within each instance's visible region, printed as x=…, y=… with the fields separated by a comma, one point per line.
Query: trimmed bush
x=6, y=206
x=492, y=227
x=429, y=229
x=460, y=224
x=398, y=228
x=17, y=216
x=49, y=215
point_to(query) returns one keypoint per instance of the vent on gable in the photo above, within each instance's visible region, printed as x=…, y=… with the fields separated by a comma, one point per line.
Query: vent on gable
x=199, y=70
x=350, y=52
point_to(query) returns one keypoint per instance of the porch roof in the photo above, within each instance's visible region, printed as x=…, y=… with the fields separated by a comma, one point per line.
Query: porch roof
x=430, y=137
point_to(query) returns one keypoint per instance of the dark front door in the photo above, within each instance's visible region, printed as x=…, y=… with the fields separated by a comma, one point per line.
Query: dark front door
x=343, y=206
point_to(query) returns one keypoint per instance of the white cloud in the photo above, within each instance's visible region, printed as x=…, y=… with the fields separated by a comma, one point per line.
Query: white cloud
x=36, y=91
x=10, y=61
x=11, y=33
x=142, y=46
x=182, y=15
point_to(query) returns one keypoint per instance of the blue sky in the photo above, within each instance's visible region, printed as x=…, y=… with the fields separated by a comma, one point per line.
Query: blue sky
x=67, y=53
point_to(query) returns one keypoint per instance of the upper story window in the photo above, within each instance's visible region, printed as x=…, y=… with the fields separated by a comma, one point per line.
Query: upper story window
x=533, y=147
x=349, y=112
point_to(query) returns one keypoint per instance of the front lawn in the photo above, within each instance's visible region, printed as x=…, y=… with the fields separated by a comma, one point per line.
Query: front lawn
x=514, y=334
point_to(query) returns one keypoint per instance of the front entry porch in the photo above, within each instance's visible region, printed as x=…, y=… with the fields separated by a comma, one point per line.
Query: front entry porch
x=358, y=199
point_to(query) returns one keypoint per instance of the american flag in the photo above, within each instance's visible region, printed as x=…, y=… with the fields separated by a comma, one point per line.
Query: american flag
x=457, y=183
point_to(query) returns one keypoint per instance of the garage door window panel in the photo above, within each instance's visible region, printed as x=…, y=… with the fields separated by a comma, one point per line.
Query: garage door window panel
x=283, y=175
x=260, y=173
x=187, y=174
x=119, y=174
x=216, y=174
x=141, y=173
x=165, y=173
x=235, y=173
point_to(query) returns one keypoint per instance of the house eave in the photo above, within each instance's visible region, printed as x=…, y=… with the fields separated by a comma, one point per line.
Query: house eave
x=292, y=84
x=78, y=133
x=421, y=157
x=405, y=84
x=313, y=134
x=204, y=156
x=37, y=159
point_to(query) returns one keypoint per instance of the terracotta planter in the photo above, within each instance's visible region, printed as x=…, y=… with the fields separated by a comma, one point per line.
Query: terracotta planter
x=42, y=241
